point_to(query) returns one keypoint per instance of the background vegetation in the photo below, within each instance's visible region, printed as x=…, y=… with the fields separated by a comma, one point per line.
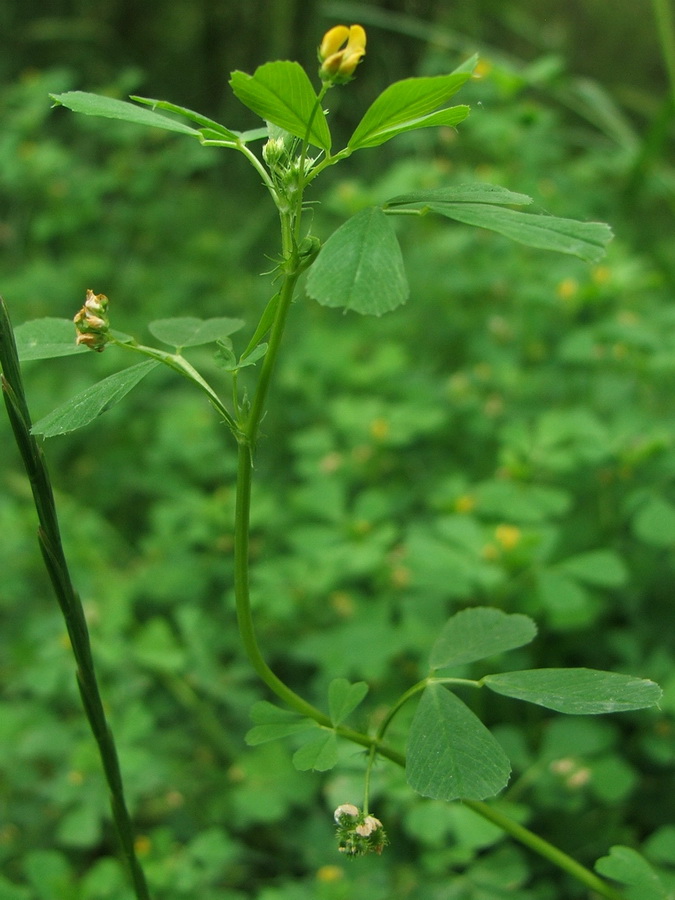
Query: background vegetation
x=507, y=439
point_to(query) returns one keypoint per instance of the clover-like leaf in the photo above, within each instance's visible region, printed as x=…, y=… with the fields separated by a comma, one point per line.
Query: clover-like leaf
x=451, y=754
x=360, y=266
x=479, y=632
x=262, y=734
x=46, y=339
x=111, y=108
x=576, y=691
x=93, y=402
x=630, y=868
x=209, y=125
x=187, y=331
x=344, y=697
x=485, y=207
x=281, y=92
x=319, y=753
x=407, y=105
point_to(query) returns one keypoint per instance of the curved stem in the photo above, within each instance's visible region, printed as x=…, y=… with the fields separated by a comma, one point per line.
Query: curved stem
x=243, y=603
x=179, y=364
x=402, y=700
x=543, y=848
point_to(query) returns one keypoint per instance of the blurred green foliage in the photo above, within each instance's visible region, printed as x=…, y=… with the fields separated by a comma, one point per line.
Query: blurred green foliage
x=507, y=439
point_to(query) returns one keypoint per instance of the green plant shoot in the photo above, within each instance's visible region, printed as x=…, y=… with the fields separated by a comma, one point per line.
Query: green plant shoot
x=449, y=753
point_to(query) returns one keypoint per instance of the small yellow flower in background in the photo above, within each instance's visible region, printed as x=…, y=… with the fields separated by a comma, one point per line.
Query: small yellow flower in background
x=601, y=274
x=466, y=503
x=379, y=428
x=567, y=289
x=341, y=50
x=329, y=873
x=483, y=68
x=508, y=536
x=142, y=845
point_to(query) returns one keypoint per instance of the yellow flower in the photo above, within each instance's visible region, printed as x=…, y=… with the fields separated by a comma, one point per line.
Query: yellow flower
x=508, y=536
x=332, y=41
x=341, y=50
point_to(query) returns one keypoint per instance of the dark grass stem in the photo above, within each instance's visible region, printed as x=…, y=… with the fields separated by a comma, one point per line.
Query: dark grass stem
x=49, y=537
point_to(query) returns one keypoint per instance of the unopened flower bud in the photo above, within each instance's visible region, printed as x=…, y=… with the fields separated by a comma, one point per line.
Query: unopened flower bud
x=274, y=151
x=341, y=50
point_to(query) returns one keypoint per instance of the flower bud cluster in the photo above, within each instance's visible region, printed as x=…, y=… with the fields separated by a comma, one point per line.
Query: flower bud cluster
x=341, y=50
x=281, y=155
x=357, y=832
x=91, y=322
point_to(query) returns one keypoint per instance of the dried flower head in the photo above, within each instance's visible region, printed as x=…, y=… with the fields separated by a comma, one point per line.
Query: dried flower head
x=357, y=832
x=91, y=322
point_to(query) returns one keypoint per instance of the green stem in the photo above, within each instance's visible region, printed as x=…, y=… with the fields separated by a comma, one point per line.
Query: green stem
x=402, y=700
x=543, y=848
x=252, y=425
x=243, y=603
x=366, y=781
x=49, y=537
x=179, y=364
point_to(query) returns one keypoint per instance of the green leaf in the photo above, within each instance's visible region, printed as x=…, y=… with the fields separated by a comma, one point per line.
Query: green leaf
x=629, y=867
x=191, y=332
x=461, y=193
x=448, y=117
x=49, y=338
x=265, y=713
x=578, y=692
x=360, y=266
x=110, y=108
x=479, y=632
x=93, y=402
x=264, y=325
x=273, y=723
x=406, y=105
x=203, y=121
x=319, y=754
x=654, y=522
x=567, y=602
x=584, y=239
x=48, y=871
x=250, y=359
x=46, y=339
x=343, y=698
x=281, y=93
x=155, y=646
x=451, y=754
x=261, y=734
x=9, y=890
x=597, y=567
